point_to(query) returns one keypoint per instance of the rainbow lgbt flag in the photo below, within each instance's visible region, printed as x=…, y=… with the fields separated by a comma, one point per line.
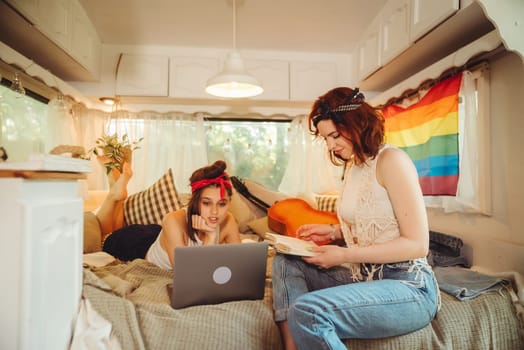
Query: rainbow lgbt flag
x=428, y=132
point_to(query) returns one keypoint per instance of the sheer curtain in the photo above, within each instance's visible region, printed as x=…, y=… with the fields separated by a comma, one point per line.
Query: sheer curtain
x=21, y=125
x=170, y=140
x=91, y=124
x=309, y=170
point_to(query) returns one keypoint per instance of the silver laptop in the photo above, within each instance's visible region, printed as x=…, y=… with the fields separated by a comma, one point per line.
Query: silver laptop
x=218, y=273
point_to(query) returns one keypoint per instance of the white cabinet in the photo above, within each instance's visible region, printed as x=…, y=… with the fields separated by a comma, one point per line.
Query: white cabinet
x=66, y=24
x=41, y=261
x=368, y=50
x=425, y=15
x=143, y=75
x=394, y=29
x=309, y=80
x=189, y=76
x=274, y=77
x=85, y=43
x=28, y=8
x=55, y=21
x=386, y=37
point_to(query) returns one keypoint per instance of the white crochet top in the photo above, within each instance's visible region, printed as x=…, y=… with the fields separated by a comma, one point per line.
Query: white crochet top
x=365, y=213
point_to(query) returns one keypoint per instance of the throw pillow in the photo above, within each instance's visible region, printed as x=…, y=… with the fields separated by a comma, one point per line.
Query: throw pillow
x=151, y=205
x=259, y=226
x=244, y=211
x=263, y=193
x=327, y=202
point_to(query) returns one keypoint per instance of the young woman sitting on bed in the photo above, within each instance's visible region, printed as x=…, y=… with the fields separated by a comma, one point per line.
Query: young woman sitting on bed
x=205, y=221
x=378, y=282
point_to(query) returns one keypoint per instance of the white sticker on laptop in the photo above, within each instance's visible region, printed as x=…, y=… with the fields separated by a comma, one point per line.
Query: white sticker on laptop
x=222, y=275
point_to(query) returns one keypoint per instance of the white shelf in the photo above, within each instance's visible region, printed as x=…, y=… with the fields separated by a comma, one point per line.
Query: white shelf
x=49, y=162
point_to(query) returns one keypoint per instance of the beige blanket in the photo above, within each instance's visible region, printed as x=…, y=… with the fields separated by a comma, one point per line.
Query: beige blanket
x=486, y=322
x=134, y=298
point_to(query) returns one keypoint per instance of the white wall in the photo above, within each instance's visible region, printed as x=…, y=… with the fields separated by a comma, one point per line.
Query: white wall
x=497, y=242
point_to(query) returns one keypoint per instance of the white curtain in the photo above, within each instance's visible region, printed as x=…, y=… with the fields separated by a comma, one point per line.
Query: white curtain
x=91, y=124
x=473, y=191
x=170, y=140
x=60, y=128
x=309, y=169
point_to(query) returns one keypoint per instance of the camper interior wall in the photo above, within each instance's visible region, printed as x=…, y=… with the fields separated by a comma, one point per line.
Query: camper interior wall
x=496, y=242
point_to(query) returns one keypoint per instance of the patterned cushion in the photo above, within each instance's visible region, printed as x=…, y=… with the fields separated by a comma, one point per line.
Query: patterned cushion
x=150, y=206
x=327, y=202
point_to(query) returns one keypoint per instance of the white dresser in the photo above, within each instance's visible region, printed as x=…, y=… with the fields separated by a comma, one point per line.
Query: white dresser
x=41, y=223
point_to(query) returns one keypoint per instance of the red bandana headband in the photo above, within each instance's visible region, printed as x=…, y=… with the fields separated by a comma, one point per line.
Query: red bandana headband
x=219, y=180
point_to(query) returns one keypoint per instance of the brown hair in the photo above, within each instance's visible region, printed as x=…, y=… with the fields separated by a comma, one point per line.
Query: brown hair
x=208, y=172
x=362, y=125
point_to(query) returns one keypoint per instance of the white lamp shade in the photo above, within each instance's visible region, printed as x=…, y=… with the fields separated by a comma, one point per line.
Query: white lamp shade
x=234, y=81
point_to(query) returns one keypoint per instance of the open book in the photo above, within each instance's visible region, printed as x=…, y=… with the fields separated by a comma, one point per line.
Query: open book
x=290, y=245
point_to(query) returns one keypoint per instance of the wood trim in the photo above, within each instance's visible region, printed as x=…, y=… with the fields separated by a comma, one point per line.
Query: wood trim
x=42, y=175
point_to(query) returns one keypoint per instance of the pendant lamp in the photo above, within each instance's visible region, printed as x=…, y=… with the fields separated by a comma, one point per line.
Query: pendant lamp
x=234, y=81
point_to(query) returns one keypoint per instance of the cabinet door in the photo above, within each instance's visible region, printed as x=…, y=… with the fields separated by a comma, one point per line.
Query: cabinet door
x=143, y=75
x=395, y=29
x=55, y=21
x=189, y=76
x=41, y=258
x=309, y=80
x=85, y=44
x=53, y=271
x=274, y=77
x=28, y=8
x=368, y=50
x=426, y=15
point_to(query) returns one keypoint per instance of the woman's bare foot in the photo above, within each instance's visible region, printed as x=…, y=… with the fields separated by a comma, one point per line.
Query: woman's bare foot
x=118, y=191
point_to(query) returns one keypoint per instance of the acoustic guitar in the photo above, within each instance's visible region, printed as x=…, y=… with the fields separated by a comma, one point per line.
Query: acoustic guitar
x=286, y=216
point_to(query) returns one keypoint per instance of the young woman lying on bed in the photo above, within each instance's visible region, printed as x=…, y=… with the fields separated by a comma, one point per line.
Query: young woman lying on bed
x=205, y=221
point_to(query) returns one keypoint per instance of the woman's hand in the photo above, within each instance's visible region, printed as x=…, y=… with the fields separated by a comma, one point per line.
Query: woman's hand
x=200, y=224
x=317, y=232
x=327, y=256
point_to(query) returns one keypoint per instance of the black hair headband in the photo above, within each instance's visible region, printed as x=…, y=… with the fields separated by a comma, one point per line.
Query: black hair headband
x=352, y=103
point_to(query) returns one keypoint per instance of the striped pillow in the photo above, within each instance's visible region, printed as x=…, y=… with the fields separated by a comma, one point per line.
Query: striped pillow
x=327, y=202
x=150, y=206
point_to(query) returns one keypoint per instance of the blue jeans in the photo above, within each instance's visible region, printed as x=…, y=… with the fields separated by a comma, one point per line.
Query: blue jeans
x=324, y=306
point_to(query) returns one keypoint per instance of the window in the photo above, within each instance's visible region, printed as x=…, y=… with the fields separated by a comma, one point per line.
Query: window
x=255, y=150
x=22, y=124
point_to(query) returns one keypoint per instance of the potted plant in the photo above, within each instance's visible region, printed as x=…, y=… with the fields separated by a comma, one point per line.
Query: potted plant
x=113, y=152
